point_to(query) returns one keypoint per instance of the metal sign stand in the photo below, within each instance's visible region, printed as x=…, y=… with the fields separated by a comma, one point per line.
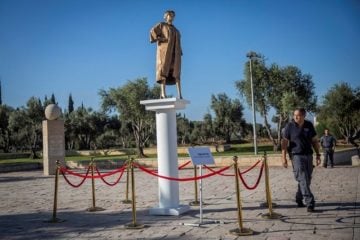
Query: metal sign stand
x=198, y=163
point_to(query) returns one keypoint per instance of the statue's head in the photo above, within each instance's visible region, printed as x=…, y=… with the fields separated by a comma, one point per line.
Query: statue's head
x=169, y=16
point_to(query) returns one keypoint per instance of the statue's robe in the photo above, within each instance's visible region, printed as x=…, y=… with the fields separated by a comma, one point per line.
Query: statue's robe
x=168, y=54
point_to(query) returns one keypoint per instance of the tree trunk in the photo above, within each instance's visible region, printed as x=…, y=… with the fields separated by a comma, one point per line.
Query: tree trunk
x=268, y=130
x=139, y=146
x=33, y=148
x=279, y=124
x=6, y=142
x=140, y=151
x=228, y=138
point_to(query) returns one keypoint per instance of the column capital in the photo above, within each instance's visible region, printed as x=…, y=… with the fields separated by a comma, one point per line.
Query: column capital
x=166, y=103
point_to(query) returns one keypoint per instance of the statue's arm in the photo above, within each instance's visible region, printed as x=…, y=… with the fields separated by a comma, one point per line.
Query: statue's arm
x=153, y=36
x=156, y=34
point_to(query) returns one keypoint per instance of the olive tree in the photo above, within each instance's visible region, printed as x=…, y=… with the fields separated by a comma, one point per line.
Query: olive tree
x=276, y=88
x=126, y=101
x=340, y=110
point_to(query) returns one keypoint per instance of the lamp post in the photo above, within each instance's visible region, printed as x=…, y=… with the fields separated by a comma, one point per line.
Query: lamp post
x=251, y=55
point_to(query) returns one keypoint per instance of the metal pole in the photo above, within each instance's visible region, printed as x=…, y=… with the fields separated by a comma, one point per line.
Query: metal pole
x=56, y=190
x=241, y=231
x=54, y=219
x=237, y=185
x=196, y=201
x=271, y=214
x=133, y=194
x=253, y=109
x=93, y=208
x=127, y=184
x=92, y=183
x=267, y=186
x=134, y=224
x=200, y=193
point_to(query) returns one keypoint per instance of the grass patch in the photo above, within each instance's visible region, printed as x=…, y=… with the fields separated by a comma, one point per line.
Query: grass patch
x=20, y=160
x=236, y=149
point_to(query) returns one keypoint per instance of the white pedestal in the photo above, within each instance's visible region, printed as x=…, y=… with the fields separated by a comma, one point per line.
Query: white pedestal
x=53, y=145
x=166, y=137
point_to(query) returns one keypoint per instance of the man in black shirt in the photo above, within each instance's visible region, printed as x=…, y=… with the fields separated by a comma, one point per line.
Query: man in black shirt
x=299, y=137
x=328, y=142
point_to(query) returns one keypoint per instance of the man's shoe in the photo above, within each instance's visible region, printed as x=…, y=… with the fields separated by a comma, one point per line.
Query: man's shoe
x=300, y=204
x=310, y=209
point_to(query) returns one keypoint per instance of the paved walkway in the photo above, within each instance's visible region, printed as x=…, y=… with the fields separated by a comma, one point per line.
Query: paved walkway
x=26, y=201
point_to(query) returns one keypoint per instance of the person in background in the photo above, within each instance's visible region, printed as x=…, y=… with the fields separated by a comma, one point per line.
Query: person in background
x=328, y=143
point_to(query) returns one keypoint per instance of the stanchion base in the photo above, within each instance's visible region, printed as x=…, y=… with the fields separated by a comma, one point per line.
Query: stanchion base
x=134, y=226
x=266, y=205
x=55, y=220
x=242, y=232
x=271, y=216
x=200, y=223
x=95, y=209
x=194, y=203
x=126, y=201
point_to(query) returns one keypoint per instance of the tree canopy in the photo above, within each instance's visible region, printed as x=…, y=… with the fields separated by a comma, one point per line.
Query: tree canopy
x=228, y=116
x=126, y=100
x=340, y=109
x=276, y=88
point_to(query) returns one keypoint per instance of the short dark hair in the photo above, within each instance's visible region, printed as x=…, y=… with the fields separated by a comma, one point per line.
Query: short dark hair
x=171, y=12
x=301, y=110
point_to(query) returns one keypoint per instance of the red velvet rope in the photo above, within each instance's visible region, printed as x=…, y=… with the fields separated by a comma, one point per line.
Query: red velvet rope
x=232, y=175
x=184, y=165
x=179, y=168
x=63, y=170
x=179, y=179
x=249, y=169
x=121, y=170
x=222, y=174
x=257, y=182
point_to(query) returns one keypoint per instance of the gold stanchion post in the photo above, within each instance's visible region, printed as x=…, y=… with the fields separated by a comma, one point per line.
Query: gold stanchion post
x=134, y=224
x=267, y=191
x=240, y=231
x=196, y=201
x=127, y=200
x=93, y=208
x=271, y=214
x=54, y=219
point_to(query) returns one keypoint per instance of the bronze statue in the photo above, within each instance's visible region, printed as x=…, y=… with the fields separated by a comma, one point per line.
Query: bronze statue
x=168, y=54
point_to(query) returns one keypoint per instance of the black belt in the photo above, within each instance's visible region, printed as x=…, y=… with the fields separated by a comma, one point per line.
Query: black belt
x=301, y=153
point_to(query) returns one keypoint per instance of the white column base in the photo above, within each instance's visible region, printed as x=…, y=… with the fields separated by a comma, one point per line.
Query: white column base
x=169, y=211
